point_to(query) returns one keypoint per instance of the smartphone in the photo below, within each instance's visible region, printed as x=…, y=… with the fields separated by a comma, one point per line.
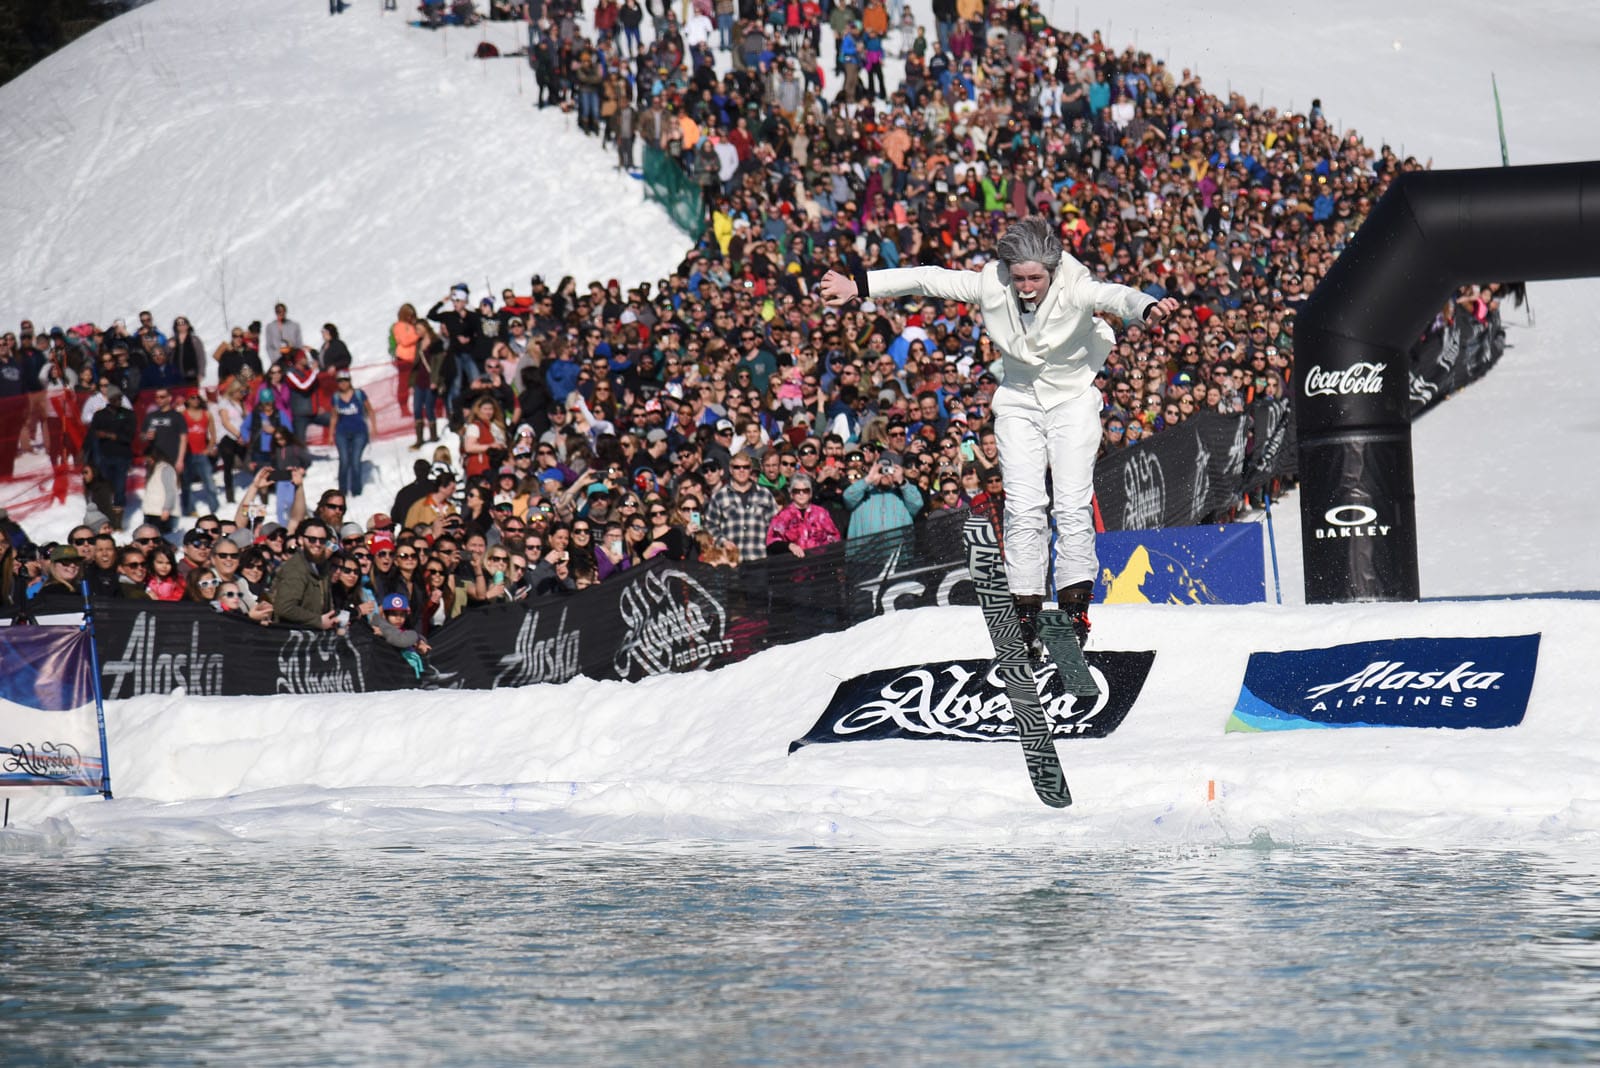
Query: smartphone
x=499, y=577
x=694, y=519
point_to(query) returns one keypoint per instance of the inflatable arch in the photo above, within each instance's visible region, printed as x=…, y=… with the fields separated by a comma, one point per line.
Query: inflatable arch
x=1430, y=232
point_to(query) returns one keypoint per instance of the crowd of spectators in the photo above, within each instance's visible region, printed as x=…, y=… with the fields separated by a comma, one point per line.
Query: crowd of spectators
x=808, y=161
x=720, y=413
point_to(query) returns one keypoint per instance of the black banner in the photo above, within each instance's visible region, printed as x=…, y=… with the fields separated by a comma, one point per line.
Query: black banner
x=661, y=617
x=1452, y=357
x=148, y=648
x=1188, y=474
x=963, y=700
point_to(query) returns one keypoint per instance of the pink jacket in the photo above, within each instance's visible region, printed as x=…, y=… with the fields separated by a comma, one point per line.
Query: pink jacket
x=810, y=528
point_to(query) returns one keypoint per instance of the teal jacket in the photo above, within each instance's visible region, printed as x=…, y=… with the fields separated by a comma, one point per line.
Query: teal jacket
x=875, y=509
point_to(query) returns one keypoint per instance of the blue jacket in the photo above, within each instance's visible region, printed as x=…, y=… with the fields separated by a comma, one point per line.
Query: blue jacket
x=562, y=378
x=875, y=509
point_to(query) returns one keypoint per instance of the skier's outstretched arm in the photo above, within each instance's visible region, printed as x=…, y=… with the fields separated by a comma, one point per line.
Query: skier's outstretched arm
x=939, y=282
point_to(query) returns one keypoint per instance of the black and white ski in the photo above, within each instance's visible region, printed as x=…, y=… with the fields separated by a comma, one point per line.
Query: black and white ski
x=1061, y=641
x=1012, y=665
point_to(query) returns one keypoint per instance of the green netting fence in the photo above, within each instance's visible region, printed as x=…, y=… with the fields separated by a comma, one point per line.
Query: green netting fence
x=667, y=183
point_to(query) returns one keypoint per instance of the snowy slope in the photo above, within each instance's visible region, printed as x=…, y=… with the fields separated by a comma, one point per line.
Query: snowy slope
x=703, y=756
x=210, y=159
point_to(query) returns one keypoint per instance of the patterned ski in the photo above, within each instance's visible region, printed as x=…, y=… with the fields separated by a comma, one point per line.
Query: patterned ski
x=985, y=563
x=1055, y=630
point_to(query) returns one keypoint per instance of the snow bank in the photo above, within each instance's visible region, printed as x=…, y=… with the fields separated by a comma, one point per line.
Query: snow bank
x=704, y=756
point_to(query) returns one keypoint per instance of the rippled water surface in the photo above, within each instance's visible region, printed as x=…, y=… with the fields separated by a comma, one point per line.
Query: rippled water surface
x=541, y=954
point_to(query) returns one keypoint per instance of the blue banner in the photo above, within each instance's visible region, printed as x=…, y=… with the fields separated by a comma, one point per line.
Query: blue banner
x=1404, y=682
x=49, y=730
x=1182, y=565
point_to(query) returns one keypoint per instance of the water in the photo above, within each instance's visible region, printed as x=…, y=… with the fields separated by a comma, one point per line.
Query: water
x=572, y=955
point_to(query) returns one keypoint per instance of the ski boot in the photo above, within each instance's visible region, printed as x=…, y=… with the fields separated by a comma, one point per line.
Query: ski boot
x=1073, y=601
x=1027, y=607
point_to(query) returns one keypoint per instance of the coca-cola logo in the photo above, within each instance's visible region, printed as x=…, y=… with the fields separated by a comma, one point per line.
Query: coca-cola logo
x=1356, y=380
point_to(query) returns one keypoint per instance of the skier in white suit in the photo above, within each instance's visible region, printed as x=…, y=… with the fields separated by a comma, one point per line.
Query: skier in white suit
x=1039, y=307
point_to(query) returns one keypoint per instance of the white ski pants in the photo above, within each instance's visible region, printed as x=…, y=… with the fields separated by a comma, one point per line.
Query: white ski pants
x=1063, y=439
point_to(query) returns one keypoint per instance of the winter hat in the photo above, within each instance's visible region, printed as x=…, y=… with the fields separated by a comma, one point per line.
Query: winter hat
x=396, y=602
x=380, y=542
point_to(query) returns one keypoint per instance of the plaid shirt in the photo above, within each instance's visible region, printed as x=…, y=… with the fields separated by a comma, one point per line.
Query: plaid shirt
x=742, y=518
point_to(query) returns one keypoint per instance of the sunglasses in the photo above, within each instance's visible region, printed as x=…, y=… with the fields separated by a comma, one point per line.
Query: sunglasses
x=405, y=556
x=148, y=541
x=209, y=584
x=435, y=572
x=229, y=595
x=226, y=556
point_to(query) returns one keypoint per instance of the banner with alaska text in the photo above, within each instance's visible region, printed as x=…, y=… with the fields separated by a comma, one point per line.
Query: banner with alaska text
x=1403, y=682
x=49, y=729
x=665, y=616
x=963, y=700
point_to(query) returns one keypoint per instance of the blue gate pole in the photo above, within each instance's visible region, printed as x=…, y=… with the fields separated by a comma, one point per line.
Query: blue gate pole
x=99, y=701
x=1272, y=545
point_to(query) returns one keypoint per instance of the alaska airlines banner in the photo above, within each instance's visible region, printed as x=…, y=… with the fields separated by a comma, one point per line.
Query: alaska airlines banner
x=1405, y=682
x=963, y=700
x=49, y=729
x=1186, y=565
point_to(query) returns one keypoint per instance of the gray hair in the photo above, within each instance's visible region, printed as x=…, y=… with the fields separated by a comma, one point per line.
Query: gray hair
x=1030, y=240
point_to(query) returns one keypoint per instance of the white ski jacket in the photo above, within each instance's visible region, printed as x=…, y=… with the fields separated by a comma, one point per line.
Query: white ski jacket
x=1059, y=354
